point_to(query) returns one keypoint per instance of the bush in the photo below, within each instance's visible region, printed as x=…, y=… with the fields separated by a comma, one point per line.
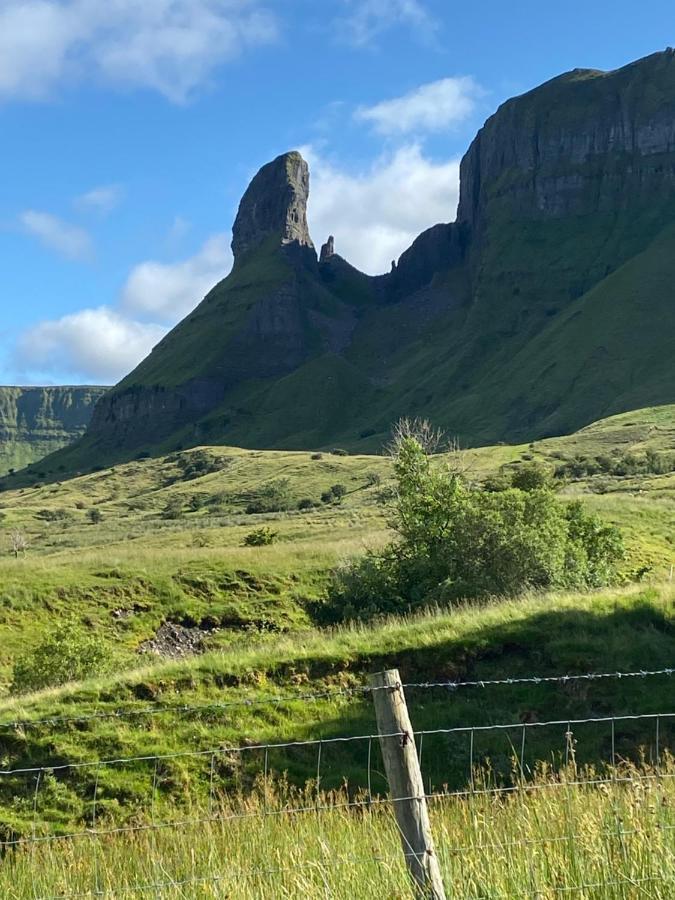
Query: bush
x=95, y=516
x=456, y=542
x=531, y=477
x=67, y=654
x=306, y=503
x=316, y=456
x=338, y=451
x=334, y=494
x=199, y=463
x=261, y=537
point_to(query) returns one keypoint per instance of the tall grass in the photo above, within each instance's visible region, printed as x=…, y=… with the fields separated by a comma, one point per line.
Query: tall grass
x=550, y=837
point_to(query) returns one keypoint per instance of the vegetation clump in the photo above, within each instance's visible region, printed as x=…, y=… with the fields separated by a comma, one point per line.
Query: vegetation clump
x=456, y=541
x=334, y=494
x=260, y=537
x=66, y=654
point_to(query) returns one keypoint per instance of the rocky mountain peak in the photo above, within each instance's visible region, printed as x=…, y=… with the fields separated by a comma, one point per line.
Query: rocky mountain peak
x=275, y=204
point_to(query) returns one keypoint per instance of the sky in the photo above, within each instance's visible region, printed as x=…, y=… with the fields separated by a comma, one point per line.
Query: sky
x=129, y=131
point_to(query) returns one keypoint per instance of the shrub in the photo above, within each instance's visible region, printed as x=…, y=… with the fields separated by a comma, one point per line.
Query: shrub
x=260, y=537
x=199, y=463
x=457, y=542
x=531, y=477
x=66, y=654
x=373, y=479
x=334, y=494
x=338, y=451
x=316, y=456
x=306, y=503
x=95, y=516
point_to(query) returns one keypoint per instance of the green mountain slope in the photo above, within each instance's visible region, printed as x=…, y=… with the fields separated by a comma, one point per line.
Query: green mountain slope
x=35, y=421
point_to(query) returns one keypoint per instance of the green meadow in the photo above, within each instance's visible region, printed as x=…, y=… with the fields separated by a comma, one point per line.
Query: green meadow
x=124, y=553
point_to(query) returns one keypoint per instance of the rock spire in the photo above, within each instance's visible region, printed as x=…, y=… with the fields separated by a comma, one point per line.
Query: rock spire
x=274, y=205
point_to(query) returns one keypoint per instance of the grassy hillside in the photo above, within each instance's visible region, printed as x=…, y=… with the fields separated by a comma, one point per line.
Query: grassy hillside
x=548, y=635
x=153, y=551
x=168, y=545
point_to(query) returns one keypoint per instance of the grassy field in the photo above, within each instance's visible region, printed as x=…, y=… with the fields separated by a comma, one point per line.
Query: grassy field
x=549, y=838
x=124, y=552
x=145, y=563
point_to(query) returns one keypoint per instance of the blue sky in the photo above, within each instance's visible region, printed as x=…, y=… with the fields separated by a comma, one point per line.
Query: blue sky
x=130, y=129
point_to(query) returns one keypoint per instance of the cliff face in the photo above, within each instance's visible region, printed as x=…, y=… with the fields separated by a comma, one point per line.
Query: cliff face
x=548, y=303
x=583, y=143
x=35, y=421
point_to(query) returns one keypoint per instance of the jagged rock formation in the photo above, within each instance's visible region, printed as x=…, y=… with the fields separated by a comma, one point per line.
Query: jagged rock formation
x=547, y=304
x=35, y=421
x=274, y=206
x=327, y=250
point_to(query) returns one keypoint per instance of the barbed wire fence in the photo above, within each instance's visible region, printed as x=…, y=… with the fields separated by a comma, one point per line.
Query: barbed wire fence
x=217, y=765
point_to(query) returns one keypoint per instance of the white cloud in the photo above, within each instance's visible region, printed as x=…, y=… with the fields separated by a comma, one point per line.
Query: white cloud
x=430, y=107
x=98, y=343
x=101, y=200
x=168, y=291
x=56, y=234
x=377, y=213
x=171, y=46
x=103, y=344
x=368, y=19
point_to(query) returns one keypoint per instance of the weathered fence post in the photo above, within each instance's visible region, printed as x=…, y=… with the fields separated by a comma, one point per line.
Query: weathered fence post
x=405, y=784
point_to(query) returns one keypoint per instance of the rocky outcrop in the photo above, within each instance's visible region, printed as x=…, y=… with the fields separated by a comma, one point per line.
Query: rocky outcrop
x=274, y=206
x=34, y=421
x=327, y=249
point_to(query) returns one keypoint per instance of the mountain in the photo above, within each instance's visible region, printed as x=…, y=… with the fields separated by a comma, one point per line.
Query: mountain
x=549, y=302
x=35, y=421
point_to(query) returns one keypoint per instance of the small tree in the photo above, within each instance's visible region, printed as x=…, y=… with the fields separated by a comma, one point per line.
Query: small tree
x=95, y=516
x=18, y=542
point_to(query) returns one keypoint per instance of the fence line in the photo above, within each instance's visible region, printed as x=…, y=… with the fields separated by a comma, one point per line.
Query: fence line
x=315, y=742
x=328, y=694
x=313, y=801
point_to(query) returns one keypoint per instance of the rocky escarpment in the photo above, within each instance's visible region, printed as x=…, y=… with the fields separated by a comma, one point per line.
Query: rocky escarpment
x=583, y=143
x=35, y=421
x=547, y=304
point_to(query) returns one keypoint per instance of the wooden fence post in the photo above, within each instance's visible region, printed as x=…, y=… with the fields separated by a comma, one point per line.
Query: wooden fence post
x=405, y=784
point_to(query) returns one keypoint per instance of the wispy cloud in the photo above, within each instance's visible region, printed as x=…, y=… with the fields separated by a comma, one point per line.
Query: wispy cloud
x=102, y=200
x=168, y=291
x=363, y=21
x=98, y=343
x=430, y=107
x=170, y=46
x=68, y=240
